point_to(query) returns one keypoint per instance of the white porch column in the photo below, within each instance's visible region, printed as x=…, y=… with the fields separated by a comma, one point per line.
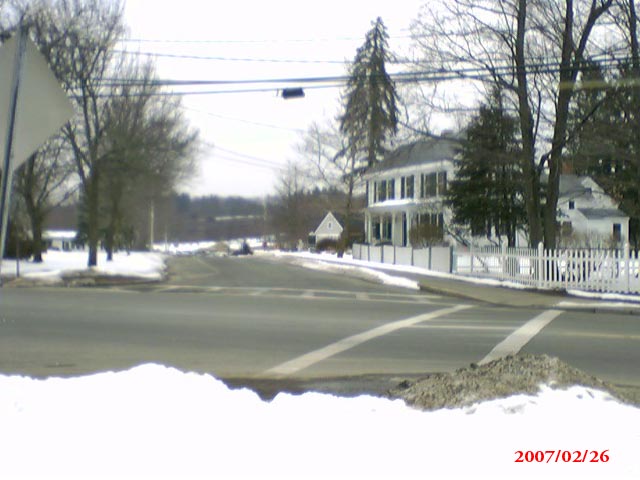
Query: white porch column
x=409, y=226
x=367, y=227
x=393, y=228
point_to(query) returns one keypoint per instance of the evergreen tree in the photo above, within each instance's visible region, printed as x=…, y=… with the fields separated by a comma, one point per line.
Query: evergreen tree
x=370, y=113
x=487, y=194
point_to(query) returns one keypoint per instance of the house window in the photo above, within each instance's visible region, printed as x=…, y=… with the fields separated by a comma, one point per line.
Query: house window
x=572, y=204
x=408, y=186
x=442, y=183
x=330, y=225
x=431, y=185
x=391, y=184
x=382, y=191
x=617, y=232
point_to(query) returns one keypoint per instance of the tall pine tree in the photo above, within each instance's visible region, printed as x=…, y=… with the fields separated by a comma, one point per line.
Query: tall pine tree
x=370, y=112
x=487, y=193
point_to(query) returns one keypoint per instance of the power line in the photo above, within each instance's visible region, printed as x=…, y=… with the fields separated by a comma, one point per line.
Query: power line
x=184, y=56
x=248, y=162
x=254, y=41
x=434, y=75
x=411, y=76
x=231, y=59
x=230, y=155
x=242, y=120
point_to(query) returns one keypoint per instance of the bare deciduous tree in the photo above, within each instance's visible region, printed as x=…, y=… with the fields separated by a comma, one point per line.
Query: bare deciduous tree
x=78, y=37
x=533, y=49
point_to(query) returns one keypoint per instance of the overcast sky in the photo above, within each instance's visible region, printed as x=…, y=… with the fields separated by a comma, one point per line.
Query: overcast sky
x=247, y=136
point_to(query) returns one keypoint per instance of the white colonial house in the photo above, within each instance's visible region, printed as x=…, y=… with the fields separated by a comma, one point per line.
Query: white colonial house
x=406, y=189
x=588, y=217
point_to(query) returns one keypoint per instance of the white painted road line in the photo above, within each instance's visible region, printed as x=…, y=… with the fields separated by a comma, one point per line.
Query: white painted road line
x=518, y=339
x=304, y=361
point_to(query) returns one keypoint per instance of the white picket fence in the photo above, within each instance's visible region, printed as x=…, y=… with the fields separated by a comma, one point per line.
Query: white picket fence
x=615, y=271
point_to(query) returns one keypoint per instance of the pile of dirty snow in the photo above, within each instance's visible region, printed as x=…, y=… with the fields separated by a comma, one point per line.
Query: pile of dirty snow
x=512, y=375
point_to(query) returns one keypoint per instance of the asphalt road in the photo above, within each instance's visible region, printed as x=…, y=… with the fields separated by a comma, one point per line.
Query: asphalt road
x=255, y=319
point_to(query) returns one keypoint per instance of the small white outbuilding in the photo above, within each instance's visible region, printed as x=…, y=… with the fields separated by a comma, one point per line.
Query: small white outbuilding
x=329, y=229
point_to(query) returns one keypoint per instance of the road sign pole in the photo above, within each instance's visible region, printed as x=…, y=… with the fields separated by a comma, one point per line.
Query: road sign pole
x=7, y=170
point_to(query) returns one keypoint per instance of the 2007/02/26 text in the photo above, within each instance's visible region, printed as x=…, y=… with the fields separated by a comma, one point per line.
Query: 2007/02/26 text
x=566, y=456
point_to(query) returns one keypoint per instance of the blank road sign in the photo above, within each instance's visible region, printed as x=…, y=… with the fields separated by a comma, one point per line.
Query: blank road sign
x=42, y=108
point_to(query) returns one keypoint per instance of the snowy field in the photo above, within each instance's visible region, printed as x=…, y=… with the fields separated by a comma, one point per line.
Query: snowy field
x=154, y=422
x=145, y=265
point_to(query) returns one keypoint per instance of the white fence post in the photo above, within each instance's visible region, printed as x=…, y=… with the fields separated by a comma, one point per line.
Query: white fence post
x=540, y=265
x=471, y=253
x=627, y=266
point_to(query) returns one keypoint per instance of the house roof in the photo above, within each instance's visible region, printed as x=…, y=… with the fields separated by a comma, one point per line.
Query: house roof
x=602, y=213
x=419, y=152
x=573, y=185
x=356, y=224
x=329, y=217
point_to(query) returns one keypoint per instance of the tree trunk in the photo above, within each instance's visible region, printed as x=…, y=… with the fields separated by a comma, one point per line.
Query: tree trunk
x=529, y=170
x=346, y=232
x=36, y=231
x=93, y=227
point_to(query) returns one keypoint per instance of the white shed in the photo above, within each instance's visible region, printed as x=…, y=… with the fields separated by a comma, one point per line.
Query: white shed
x=329, y=229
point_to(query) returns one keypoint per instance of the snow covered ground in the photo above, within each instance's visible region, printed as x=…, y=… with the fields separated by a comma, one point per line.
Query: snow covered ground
x=155, y=422
x=146, y=265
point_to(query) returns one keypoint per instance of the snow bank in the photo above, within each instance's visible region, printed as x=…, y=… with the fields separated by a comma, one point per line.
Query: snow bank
x=145, y=265
x=154, y=422
x=370, y=273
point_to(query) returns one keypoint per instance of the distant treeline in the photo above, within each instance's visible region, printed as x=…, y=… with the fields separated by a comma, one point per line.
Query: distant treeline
x=181, y=218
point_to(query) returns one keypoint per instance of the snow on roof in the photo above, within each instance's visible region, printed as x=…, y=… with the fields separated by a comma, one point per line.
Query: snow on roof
x=60, y=234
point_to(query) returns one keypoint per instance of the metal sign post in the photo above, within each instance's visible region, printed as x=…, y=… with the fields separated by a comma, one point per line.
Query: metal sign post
x=7, y=168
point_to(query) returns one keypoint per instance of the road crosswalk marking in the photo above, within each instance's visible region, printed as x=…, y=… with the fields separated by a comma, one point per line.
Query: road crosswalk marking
x=292, y=366
x=303, y=294
x=519, y=338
